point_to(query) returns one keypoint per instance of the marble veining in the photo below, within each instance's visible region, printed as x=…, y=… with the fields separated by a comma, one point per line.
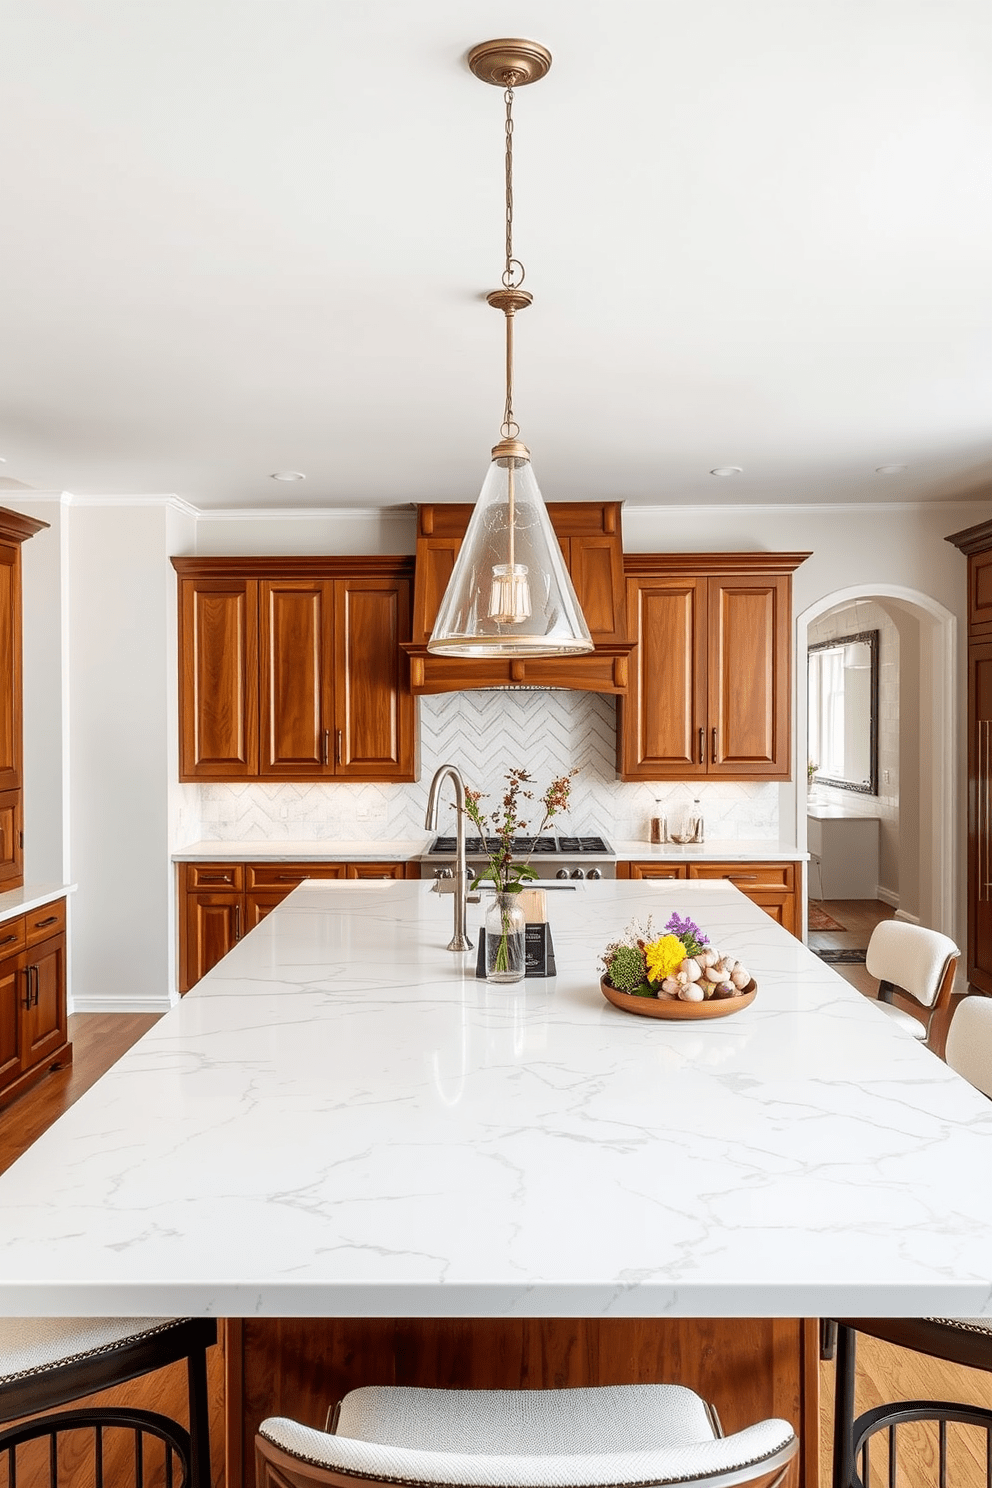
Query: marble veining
x=341, y=1120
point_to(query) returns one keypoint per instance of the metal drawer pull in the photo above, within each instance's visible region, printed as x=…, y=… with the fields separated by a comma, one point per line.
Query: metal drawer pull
x=215, y=878
x=237, y=922
x=7, y=939
x=743, y=877
x=40, y=924
x=289, y=877
x=714, y=746
x=326, y=756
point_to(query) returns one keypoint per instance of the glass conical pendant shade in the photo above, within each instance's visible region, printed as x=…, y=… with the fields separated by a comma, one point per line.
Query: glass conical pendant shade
x=509, y=593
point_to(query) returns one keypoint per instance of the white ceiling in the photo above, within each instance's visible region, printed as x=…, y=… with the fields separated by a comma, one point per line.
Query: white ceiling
x=243, y=236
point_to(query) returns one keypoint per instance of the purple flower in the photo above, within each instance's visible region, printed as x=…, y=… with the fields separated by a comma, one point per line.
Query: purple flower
x=688, y=932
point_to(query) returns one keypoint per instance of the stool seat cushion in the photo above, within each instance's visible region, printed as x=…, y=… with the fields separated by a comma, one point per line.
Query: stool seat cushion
x=965, y=1325
x=617, y=1434
x=903, y=1020
x=30, y=1346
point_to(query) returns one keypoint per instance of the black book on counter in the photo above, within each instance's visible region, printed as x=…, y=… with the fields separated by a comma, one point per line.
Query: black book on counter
x=539, y=952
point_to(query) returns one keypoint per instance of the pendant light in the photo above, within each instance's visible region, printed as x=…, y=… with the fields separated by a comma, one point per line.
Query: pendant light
x=509, y=593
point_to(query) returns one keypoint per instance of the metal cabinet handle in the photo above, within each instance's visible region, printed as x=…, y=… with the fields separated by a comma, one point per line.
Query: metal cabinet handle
x=288, y=877
x=340, y=746
x=40, y=924
x=714, y=746
x=7, y=939
x=237, y=922
x=31, y=984
x=326, y=752
x=215, y=878
x=743, y=877
x=37, y=984
x=27, y=988
x=702, y=735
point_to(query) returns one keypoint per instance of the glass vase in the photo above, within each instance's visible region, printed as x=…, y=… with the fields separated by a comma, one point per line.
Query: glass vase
x=505, y=933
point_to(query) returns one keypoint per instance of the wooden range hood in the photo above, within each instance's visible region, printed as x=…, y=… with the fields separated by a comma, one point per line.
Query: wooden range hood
x=590, y=537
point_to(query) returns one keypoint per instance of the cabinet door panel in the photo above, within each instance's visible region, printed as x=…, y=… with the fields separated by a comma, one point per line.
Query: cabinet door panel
x=296, y=643
x=258, y=905
x=596, y=570
x=218, y=679
x=11, y=843
x=376, y=870
x=748, y=669
x=10, y=665
x=213, y=924
x=13, y=984
x=373, y=704
x=44, y=1028
x=980, y=816
x=435, y=561
x=665, y=709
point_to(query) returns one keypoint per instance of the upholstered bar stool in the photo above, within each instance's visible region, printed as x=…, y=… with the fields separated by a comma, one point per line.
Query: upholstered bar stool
x=605, y=1434
x=47, y=1362
x=965, y=1341
x=917, y=961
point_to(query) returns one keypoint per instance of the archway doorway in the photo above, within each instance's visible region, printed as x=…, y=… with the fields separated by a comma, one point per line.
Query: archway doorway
x=927, y=702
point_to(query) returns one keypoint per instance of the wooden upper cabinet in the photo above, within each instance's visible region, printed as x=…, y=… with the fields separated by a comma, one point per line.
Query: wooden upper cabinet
x=292, y=669
x=14, y=530
x=373, y=705
x=711, y=686
x=218, y=679
x=591, y=541
x=296, y=646
x=749, y=675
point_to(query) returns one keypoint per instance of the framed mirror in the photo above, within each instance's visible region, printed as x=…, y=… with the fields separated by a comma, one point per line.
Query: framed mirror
x=842, y=712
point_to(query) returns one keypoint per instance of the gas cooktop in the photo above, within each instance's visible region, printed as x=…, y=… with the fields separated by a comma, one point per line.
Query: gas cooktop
x=570, y=845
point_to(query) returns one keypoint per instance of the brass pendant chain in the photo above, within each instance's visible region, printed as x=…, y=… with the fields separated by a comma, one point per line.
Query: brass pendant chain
x=513, y=273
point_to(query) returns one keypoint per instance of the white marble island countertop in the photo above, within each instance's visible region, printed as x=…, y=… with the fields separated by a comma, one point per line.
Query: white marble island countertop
x=340, y=1120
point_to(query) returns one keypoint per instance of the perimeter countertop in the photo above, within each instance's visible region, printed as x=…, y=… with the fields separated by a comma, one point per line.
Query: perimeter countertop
x=340, y=1120
x=410, y=849
x=21, y=901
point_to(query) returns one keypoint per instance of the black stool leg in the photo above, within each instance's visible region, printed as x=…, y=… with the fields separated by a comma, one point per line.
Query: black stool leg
x=199, y=1418
x=844, y=1408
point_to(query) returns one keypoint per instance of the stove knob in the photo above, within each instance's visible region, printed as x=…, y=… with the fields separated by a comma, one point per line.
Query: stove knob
x=444, y=873
x=577, y=873
x=562, y=873
x=594, y=873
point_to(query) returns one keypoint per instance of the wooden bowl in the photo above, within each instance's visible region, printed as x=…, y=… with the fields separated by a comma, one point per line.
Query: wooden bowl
x=674, y=1009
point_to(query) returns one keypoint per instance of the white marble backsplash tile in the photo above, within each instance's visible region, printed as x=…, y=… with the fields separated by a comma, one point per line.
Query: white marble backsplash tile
x=484, y=734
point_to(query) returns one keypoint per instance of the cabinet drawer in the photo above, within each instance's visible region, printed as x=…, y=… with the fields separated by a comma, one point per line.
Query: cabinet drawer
x=214, y=875
x=42, y=923
x=656, y=870
x=11, y=937
x=749, y=876
x=287, y=875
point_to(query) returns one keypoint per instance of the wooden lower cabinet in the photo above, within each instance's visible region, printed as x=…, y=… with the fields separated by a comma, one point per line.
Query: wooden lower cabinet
x=33, y=1016
x=750, y=1369
x=220, y=902
x=773, y=886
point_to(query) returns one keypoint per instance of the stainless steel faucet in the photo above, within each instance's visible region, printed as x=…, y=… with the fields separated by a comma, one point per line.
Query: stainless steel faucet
x=459, y=940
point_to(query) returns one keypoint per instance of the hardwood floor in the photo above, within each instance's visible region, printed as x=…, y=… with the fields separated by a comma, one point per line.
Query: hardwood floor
x=884, y=1372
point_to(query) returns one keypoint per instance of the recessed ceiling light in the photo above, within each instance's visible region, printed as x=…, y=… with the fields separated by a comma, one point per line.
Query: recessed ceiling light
x=890, y=469
x=728, y=470
x=288, y=475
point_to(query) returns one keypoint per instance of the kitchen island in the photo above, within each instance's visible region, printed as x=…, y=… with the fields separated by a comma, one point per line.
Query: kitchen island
x=341, y=1122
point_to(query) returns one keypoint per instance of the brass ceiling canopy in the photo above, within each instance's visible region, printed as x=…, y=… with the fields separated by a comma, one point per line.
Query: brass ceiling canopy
x=509, y=63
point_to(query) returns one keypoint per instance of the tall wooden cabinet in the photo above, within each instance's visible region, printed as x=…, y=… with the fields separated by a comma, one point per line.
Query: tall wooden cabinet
x=976, y=542
x=710, y=681
x=292, y=669
x=14, y=530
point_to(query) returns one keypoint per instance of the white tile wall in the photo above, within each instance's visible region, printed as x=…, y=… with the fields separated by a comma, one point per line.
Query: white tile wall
x=484, y=734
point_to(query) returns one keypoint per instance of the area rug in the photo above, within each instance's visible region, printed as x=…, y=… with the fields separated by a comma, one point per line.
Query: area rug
x=820, y=920
x=841, y=958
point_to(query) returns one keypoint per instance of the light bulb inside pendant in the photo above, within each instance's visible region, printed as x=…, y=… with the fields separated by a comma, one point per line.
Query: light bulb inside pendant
x=509, y=596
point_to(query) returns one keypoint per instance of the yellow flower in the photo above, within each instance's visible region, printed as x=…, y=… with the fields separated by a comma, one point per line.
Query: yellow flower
x=664, y=957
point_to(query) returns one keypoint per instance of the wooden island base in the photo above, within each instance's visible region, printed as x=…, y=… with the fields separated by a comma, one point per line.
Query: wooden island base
x=299, y=1367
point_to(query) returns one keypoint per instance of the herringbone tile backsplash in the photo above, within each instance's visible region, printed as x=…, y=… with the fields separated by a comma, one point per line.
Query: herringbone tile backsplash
x=484, y=734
